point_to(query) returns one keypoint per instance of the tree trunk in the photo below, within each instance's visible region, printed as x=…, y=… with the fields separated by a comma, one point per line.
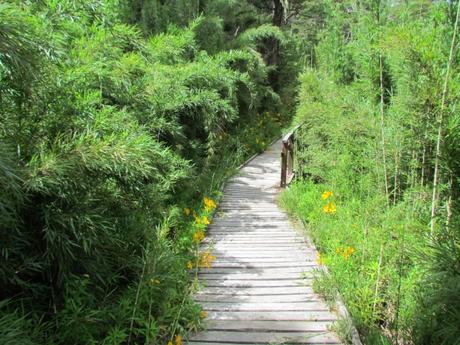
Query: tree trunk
x=273, y=44
x=278, y=13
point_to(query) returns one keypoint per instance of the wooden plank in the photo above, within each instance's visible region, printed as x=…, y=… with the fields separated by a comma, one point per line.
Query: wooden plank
x=255, y=283
x=251, y=276
x=264, y=306
x=262, y=265
x=293, y=298
x=257, y=247
x=254, y=249
x=269, y=326
x=285, y=241
x=253, y=238
x=272, y=315
x=250, y=223
x=268, y=337
x=236, y=230
x=261, y=242
x=261, y=271
x=233, y=254
x=257, y=291
x=270, y=259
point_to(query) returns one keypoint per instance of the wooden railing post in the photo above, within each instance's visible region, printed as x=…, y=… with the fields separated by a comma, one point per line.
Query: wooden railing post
x=283, y=166
x=287, y=158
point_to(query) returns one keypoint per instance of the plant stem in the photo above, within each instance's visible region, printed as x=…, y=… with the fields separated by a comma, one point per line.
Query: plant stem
x=382, y=129
x=435, y=199
x=377, y=282
x=131, y=325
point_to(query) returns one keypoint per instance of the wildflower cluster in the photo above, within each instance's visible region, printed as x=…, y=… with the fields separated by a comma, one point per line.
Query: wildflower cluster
x=209, y=204
x=202, y=220
x=205, y=259
x=198, y=236
x=320, y=259
x=330, y=207
x=345, y=252
x=177, y=340
x=326, y=195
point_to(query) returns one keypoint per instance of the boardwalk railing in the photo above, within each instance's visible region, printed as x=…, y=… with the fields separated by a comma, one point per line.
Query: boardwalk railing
x=287, y=158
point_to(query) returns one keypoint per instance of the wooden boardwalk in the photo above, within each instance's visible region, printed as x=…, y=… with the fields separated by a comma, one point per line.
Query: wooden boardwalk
x=259, y=289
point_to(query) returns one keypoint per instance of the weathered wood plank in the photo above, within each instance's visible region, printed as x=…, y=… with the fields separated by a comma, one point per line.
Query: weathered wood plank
x=269, y=326
x=252, y=241
x=257, y=291
x=264, y=337
x=259, y=271
x=272, y=315
x=257, y=298
x=263, y=261
x=256, y=283
x=261, y=254
x=261, y=265
x=264, y=306
x=250, y=276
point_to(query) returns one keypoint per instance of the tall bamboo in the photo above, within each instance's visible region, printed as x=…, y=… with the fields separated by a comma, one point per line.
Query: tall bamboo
x=382, y=129
x=435, y=198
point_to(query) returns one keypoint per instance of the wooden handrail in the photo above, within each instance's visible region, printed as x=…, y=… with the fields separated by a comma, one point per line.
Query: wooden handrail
x=287, y=157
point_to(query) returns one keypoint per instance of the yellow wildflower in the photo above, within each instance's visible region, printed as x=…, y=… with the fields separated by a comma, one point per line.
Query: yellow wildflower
x=330, y=208
x=347, y=252
x=320, y=259
x=197, y=220
x=187, y=211
x=206, y=259
x=189, y=265
x=327, y=194
x=203, y=314
x=170, y=342
x=198, y=236
x=205, y=220
x=209, y=204
x=178, y=340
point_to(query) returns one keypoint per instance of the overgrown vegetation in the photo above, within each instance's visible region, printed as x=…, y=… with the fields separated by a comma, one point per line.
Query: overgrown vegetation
x=118, y=118
x=120, y=121
x=378, y=170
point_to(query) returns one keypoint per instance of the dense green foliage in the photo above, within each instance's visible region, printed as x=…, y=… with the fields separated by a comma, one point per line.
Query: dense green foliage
x=116, y=115
x=121, y=120
x=372, y=103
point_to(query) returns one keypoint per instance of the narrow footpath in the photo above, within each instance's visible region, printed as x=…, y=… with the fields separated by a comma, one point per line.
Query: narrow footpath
x=259, y=289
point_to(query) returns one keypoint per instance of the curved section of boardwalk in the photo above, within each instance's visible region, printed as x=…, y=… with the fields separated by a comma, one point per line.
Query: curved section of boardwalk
x=258, y=290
